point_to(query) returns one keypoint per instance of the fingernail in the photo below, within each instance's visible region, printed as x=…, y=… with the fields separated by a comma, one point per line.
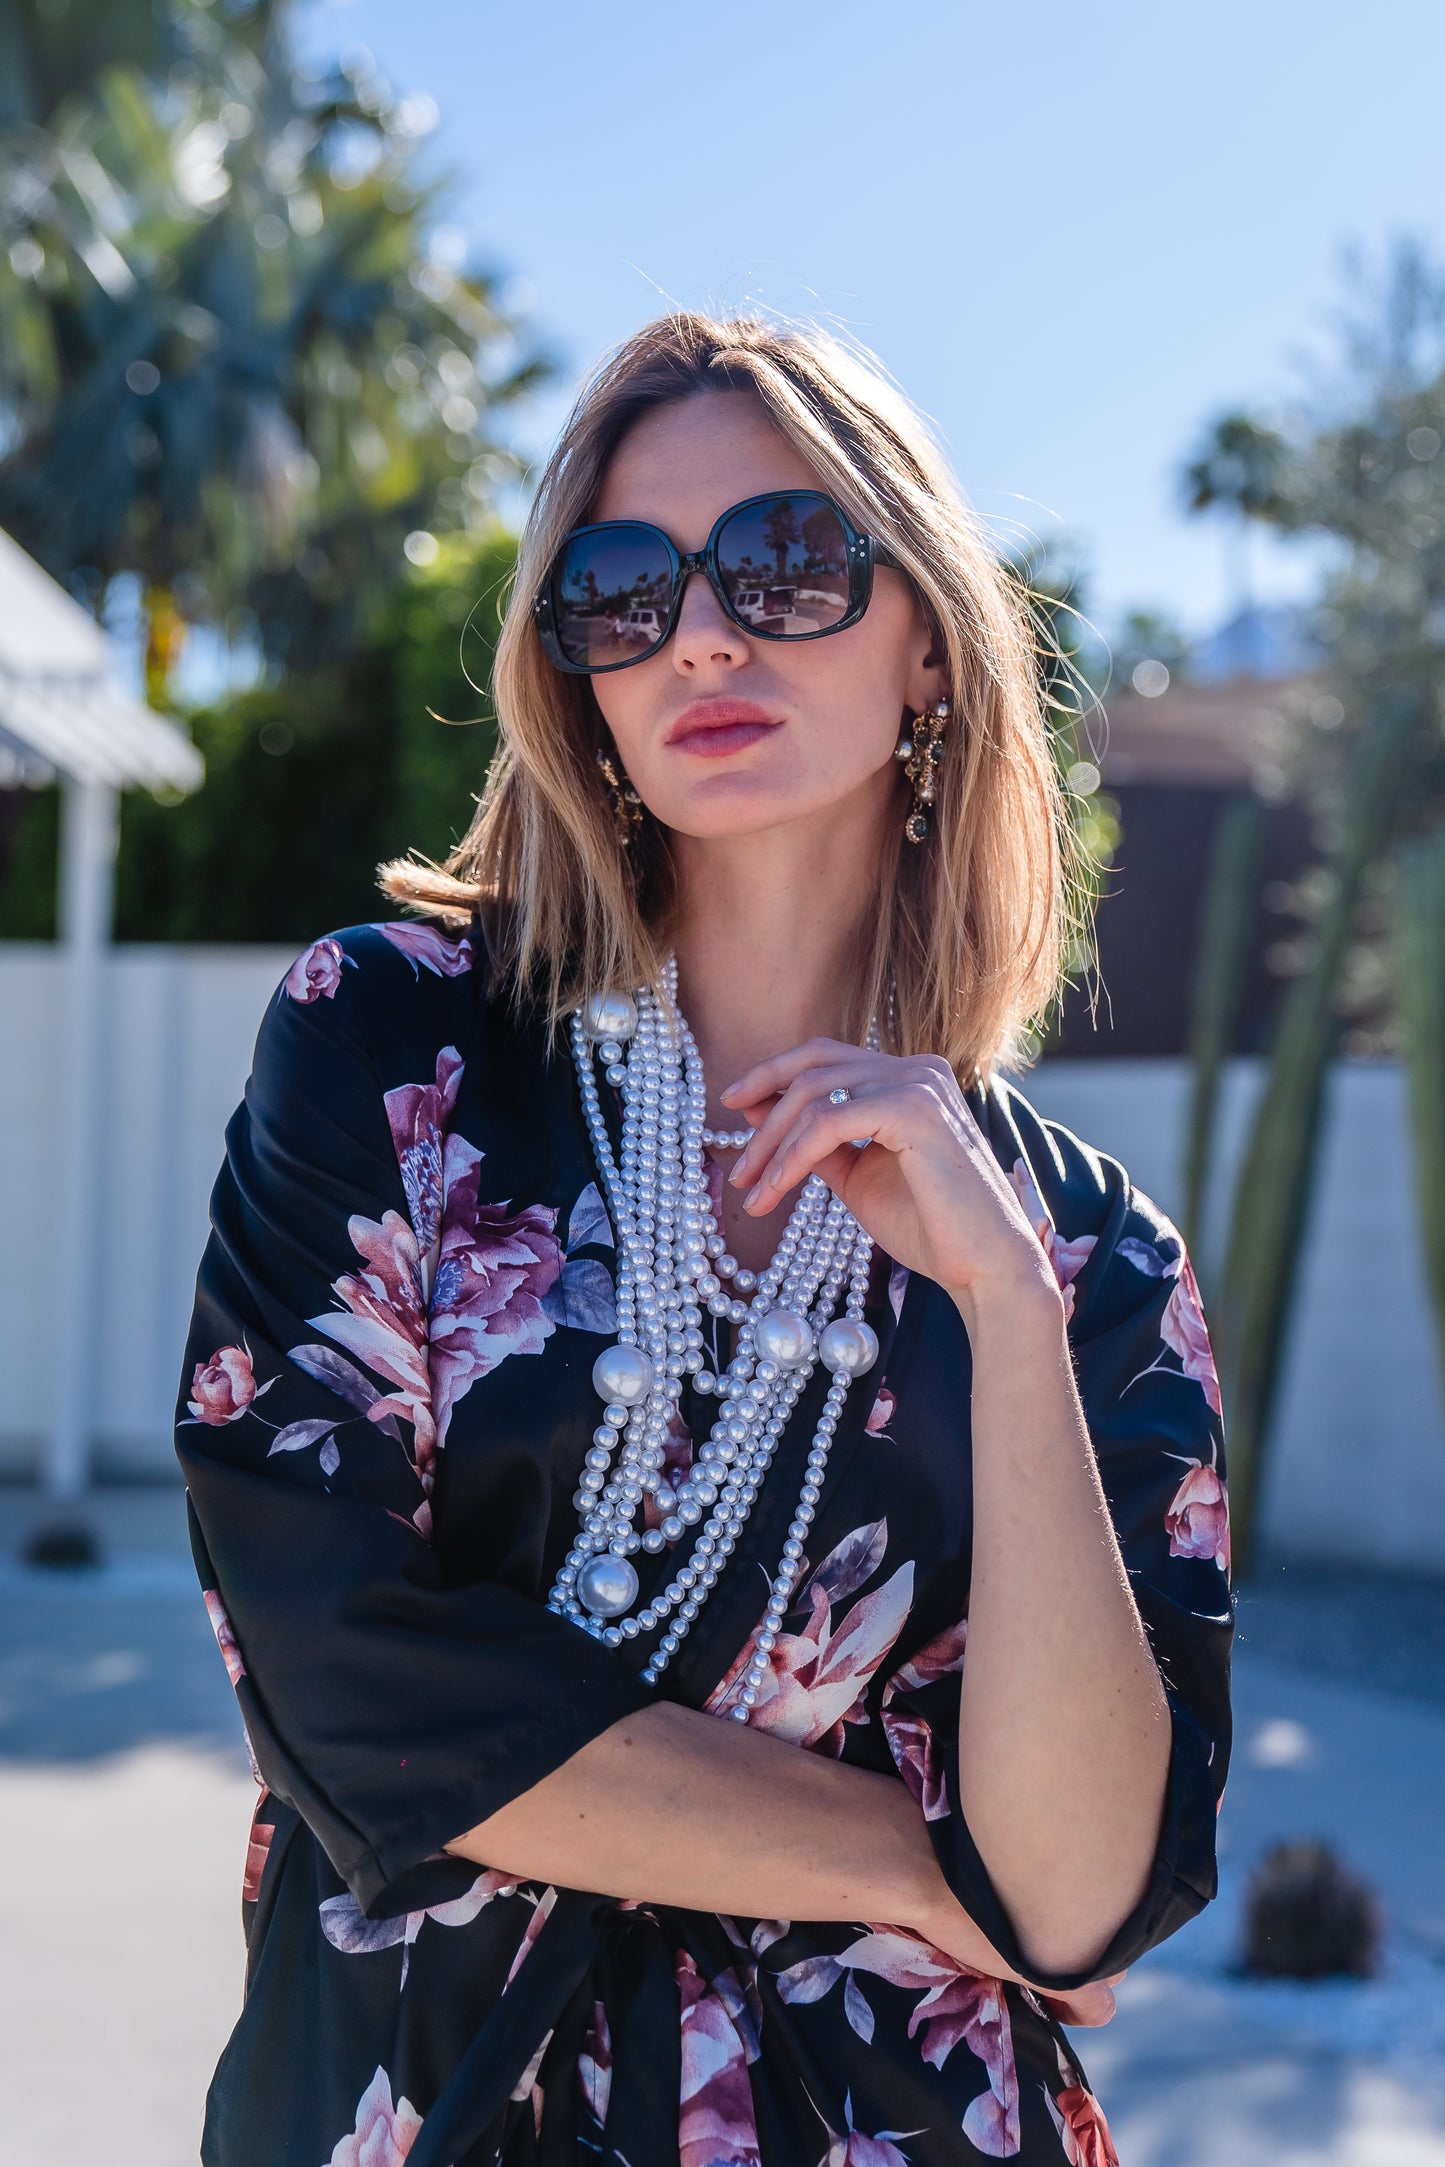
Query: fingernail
x=753, y=1194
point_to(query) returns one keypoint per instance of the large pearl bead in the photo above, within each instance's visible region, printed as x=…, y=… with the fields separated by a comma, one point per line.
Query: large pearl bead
x=607, y=1585
x=609, y=1015
x=623, y=1374
x=847, y=1346
x=783, y=1337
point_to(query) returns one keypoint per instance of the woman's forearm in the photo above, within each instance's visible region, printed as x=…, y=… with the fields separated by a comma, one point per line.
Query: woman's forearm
x=1064, y=1732
x=672, y=1806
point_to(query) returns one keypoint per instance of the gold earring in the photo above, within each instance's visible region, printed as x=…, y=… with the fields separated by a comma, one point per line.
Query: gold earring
x=626, y=804
x=920, y=750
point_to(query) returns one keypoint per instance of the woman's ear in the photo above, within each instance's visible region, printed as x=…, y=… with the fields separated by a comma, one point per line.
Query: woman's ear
x=928, y=674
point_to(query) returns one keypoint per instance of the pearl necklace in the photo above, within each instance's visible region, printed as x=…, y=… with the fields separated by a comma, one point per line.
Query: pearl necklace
x=671, y=1262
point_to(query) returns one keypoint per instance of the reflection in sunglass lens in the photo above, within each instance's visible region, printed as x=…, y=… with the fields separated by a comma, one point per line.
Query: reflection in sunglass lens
x=784, y=562
x=610, y=595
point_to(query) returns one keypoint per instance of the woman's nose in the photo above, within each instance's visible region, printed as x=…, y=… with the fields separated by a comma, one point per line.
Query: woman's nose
x=705, y=633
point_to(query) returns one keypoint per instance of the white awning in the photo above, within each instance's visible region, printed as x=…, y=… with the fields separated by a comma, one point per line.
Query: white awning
x=60, y=711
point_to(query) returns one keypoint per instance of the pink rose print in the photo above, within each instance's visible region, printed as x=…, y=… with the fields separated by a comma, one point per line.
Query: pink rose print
x=1079, y=2120
x=1067, y=1258
x=424, y=946
x=225, y=1638
x=1197, y=1522
x=384, y=2134
x=817, y=1678
x=224, y=1387
x=955, y=2004
x=1183, y=1328
x=493, y=1269
x=910, y=1738
x=882, y=1411
x=716, y=2125
x=317, y=971
x=347, y=1927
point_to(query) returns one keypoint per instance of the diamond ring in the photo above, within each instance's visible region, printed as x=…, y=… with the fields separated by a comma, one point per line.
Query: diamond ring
x=839, y=1096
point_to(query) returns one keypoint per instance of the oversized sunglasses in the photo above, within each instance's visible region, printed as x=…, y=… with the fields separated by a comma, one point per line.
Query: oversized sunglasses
x=786, y=566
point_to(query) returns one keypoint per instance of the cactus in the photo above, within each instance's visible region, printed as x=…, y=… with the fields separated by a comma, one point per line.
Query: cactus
x=1307, y=1915
x=1271, y=1199
x=1420, y=967
x=1221, y=965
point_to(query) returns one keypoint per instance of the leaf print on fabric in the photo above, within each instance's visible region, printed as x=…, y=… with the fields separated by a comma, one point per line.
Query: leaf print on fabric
x=594, y=2065
x=423, y=945
x=1067, y=1258
x=347, y=1927
x=344, y=1379
x=384, y=2134
x=955, y=2004
x=589, y=1226
x=716, y=2126
x=1197, y=1522
x=545, y=1905
x=817, y=1678
x=897, y=1288
x=910, y=1736
x=224, y=1388
x=1182, y=1327
x=297, y=1435
x=584, y=1298
x=225, y=1637
x=317, y=972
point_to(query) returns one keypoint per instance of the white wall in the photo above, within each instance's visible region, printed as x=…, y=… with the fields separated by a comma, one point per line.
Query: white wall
x=1358, y=1465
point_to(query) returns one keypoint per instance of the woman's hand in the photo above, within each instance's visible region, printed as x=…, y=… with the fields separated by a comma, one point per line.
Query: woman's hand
x=948, y=1928
x=926, y=1186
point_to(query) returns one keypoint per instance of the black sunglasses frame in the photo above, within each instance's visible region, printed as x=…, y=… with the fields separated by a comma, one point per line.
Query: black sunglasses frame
x=864, y=555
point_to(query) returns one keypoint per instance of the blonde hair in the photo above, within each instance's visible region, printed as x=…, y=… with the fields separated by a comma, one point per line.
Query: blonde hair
x=962, y=944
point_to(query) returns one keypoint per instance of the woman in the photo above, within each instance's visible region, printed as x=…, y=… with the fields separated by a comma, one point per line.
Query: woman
x=643, y=1304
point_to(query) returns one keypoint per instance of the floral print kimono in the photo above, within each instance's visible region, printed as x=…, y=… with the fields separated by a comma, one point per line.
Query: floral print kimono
x=386, y=1404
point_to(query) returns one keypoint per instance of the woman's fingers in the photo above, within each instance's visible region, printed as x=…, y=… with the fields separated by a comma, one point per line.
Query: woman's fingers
x=769, y=1079
x=1086, y=2005
x=819, y=1131
x=783, y=1115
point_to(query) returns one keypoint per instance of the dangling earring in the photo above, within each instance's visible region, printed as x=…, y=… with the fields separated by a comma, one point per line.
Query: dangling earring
x=626, y=804
x=920, y=749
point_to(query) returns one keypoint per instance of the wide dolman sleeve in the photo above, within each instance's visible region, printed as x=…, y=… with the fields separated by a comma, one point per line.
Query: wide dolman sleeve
x=1150, y=1396
x=395, y=1704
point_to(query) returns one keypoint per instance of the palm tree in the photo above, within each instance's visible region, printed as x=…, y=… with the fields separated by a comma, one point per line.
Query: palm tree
x=232, y=365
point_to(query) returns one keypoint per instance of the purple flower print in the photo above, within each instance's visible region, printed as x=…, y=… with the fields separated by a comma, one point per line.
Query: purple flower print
x=1197, y=1522
x=423, y=946
x=316, y=973
x=384, y=2133
x=910, y=1737
x=816, y=1678
x=386, y=1326
x=418, y=1115
x=955, y=2004
x=716, y=2124
x=494, y=1267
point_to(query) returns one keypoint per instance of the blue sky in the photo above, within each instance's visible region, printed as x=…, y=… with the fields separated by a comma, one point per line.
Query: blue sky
x=1071, y=232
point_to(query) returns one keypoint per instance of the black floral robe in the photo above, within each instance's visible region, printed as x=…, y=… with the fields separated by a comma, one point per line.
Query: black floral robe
x=386, y=1405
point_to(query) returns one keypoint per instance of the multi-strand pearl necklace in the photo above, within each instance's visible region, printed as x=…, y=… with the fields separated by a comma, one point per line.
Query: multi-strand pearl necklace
x=672, y=1262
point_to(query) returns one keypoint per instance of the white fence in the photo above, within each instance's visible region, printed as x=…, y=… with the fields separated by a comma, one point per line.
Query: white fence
x=1358, y=1468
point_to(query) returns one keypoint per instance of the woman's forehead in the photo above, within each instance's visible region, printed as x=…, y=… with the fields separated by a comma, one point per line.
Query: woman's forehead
x=682, y=464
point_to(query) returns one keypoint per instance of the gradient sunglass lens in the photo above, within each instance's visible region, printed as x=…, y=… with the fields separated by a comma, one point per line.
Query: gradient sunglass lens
x=611, y=594
x=784, y=563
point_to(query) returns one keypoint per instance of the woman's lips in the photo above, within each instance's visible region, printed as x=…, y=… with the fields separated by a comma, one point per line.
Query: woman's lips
x=711, y=729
